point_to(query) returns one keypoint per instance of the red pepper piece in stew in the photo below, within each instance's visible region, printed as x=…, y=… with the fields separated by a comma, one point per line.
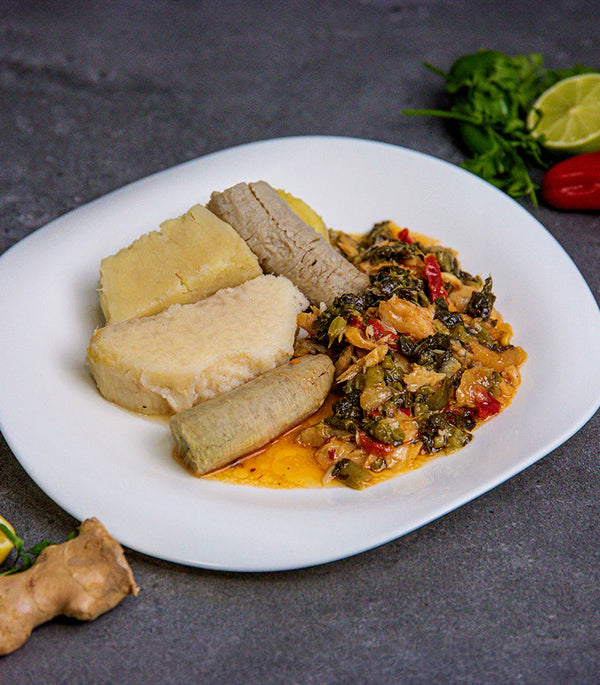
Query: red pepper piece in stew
x=379, y=329
x=404, y=236
x=574, y=183
x=433, y=273
x=486, y=404
x=357, y=322
x=380, y=449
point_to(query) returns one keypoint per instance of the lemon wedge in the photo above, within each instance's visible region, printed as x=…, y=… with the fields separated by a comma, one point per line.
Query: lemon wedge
x=567, y=115
x=5, y=544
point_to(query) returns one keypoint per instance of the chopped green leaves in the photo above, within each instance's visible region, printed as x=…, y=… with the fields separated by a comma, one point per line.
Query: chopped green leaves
x=347, y=413
x=482, y=301
x=394, y=280
x=327, y=329
x=402, y=389
x=445, y=431
x=350, y=474
x=336, y=330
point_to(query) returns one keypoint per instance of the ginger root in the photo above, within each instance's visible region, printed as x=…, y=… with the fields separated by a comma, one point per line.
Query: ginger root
x=81, y=578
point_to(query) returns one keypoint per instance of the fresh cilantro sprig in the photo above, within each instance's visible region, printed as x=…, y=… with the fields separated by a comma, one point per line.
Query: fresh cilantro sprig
x=490, y=95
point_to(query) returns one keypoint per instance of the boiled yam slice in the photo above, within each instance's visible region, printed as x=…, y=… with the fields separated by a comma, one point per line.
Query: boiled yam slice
x=189, y=353
x=190, y=258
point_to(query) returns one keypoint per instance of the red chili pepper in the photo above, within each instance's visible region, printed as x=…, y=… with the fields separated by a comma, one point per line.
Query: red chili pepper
x=404, y=236
x=574, y=183
x=486, y=404
x=357, y=322
x=433, y=273
x=379, y=329
x=380, y=449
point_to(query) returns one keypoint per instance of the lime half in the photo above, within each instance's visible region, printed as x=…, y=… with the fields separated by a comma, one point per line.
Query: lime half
x=567, y=115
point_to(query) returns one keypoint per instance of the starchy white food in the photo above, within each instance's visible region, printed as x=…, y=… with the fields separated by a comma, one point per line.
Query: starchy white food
x=173, y=360
x=190, y=258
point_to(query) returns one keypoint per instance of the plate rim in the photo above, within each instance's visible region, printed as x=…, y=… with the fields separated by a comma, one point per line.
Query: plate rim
x=42, y=233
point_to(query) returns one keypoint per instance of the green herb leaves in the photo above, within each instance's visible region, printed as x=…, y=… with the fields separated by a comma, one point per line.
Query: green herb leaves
x=490, y=95
x=24, y=557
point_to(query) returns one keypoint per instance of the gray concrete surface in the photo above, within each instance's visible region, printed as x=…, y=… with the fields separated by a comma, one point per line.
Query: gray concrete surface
x=94, y=95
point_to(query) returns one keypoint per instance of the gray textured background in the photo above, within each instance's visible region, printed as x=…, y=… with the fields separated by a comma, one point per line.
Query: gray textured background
x=94, y=95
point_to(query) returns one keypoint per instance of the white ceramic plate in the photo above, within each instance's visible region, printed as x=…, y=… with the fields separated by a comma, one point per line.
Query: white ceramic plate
x=95, y=459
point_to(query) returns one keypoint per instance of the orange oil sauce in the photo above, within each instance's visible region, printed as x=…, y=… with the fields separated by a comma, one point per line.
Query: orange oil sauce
x=285, y=464
x=282, y=463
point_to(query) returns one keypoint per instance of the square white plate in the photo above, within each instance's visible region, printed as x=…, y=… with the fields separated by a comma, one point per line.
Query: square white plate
x=95, y=459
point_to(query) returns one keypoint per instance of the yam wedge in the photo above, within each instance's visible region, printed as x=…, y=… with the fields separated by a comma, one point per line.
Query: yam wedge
x=219, y=431
x=190, y=258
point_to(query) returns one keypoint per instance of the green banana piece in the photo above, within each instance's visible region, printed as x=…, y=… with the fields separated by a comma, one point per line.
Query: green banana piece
x=218, y=431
